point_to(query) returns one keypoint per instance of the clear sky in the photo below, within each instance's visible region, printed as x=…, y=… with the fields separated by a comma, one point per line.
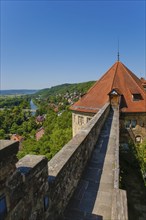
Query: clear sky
x=47, y=43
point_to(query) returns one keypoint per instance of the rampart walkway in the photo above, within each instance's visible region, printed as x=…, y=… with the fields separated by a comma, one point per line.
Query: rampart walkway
x=83, y=181
x=93, y=198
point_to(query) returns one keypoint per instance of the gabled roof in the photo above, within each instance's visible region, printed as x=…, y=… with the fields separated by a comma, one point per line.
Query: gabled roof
x=120, y=78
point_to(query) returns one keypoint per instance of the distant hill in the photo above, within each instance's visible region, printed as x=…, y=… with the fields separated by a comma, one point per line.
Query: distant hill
x=17, y=92
x=62, y=89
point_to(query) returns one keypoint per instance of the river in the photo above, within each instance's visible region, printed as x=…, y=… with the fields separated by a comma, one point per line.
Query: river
x=33, y=106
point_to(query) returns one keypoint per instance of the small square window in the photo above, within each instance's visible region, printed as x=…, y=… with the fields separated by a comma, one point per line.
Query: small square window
x=133, y=123
x=3, y=207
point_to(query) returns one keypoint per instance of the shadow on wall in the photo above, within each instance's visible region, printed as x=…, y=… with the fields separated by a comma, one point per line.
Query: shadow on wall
x=24, y=170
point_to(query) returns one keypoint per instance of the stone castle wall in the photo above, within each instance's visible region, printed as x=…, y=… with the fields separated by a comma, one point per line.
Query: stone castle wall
x=66, y=167
x=27, y=191
x=23, y=185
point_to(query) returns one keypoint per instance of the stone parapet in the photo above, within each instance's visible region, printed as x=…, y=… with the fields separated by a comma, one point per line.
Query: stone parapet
x=116, y=159
x=119, y=205
x=8, y=148
x=67, y=166
x=24, y=193
x=30, y=165
x=8, y=159
x=119, y=197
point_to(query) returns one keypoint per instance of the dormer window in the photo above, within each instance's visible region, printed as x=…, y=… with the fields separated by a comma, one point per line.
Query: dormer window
x=114, y=92
x=137, y=97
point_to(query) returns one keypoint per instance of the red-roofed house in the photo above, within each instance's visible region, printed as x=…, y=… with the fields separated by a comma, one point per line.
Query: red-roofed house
x=40, y=133
x=16, y=137
x=121, y=87
x=40, y=119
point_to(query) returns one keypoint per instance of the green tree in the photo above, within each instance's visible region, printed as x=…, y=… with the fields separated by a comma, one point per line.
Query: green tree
x=2, y=134
x=141, y=153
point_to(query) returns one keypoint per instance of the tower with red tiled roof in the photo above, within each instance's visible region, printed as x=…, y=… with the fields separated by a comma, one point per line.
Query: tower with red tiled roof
x=120, y=87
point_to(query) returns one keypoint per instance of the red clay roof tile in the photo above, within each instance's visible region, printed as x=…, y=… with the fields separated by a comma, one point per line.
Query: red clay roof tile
x=120, y=78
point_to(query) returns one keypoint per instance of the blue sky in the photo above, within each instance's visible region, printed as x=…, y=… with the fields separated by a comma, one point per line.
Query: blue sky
x=47, y=43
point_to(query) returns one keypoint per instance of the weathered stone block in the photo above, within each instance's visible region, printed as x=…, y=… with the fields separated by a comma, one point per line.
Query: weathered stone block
x=25, y=187
x=15, y=189
x=8, y=159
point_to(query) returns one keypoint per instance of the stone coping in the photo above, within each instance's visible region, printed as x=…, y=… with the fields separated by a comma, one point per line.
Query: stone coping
x=8, y=148
x=30, y=163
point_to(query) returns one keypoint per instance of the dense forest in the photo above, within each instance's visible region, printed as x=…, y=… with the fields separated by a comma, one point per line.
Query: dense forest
x=13, y=117
x=13, y=101
x=53, y=106
x=57, y=133
x=64, y=88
